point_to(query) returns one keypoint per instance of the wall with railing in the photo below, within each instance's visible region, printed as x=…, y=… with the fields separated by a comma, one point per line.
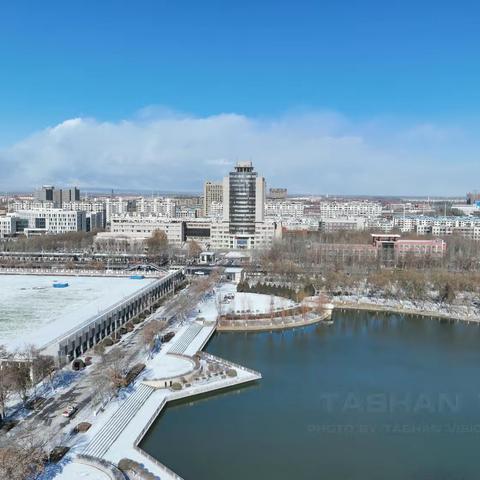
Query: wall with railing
x=190, y=392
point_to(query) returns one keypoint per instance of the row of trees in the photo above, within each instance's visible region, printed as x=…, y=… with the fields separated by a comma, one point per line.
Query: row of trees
x=300, y=259
x=311, y=253
x=407, y=284
x=66, y=242
x=157, y=245
x=110, y=377
x=294, y=294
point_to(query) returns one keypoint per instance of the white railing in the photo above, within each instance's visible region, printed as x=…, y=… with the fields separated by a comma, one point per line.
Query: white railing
x=75, y=272
x=209, y=356
x=142, y=434
x=191, y=391
x=99, y=463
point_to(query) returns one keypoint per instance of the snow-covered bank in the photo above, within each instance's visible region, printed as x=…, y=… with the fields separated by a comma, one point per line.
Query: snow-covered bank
x=463, y=312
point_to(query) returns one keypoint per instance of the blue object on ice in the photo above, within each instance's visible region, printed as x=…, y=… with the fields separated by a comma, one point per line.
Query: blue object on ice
x=60, y=284
x=137, y=277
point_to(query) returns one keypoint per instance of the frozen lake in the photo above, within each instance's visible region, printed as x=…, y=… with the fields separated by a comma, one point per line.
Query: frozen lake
x=33, y=312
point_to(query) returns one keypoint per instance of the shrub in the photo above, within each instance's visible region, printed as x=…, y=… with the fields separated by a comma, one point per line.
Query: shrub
x=107, y=342
x=99, y=348
x=82, y=427
x=78, y=364
x=176, y=386
x=126, y=464
x=58, y=453
x=231, y=373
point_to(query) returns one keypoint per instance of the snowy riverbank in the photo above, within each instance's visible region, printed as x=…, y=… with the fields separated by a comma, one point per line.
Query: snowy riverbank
x=467, y=311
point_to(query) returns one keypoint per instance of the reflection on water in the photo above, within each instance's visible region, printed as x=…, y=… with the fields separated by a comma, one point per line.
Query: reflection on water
x=373, y=396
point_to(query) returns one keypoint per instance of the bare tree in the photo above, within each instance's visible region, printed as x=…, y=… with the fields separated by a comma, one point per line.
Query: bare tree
x=194, y=249
x=6, y=386
x=24, y=457
x=219, y=305
x=114, y=371
x=157, y=243
x=150, y=333
x=21, y=376
x=43, y=368
x=101, y=388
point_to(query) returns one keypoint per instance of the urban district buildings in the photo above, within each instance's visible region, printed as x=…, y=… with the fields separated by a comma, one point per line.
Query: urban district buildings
x=234, y=213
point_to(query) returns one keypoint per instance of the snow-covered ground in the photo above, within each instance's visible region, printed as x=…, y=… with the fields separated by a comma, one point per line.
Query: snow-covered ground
x=78, y=471
x=170, y=366
x=463, y=308
x=33, y=312
x=256, y=303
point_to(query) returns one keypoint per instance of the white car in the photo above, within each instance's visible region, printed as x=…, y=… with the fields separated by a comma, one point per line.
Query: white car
x=69, y=411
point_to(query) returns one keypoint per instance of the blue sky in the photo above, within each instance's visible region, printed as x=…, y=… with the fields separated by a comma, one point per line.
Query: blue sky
x=380, y=68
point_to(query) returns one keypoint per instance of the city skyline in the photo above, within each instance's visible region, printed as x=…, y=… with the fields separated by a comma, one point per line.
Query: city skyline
x=239, y=239
x=102, y=96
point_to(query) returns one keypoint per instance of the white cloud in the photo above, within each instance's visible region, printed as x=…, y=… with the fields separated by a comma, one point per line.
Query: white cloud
x=316, y=152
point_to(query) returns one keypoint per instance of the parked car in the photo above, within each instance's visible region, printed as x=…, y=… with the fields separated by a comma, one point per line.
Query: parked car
x=70, y=411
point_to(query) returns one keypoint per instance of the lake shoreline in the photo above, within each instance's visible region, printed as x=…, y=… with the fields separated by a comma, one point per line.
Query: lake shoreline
x=376, y=307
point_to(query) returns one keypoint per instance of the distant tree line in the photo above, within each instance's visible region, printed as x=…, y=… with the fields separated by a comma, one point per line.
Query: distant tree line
x=298, y=254
x=65, y=242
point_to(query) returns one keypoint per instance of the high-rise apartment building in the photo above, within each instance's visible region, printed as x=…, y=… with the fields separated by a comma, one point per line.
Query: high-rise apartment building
x=243, y=204
x=48, y=193
x=71, y=195
x=45, y=194
x=473, y=197
x=212, y=192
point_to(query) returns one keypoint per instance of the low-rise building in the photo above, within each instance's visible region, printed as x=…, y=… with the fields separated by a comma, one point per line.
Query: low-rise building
x=54, y=220
x=336, y=209
x=265, y=235
x=336, y=224
x=143, y=227
x=280, y=210
x=8, y=226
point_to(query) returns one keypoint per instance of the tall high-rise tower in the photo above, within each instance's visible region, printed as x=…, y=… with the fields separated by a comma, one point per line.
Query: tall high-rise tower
x=243, y=199
x=212, y=192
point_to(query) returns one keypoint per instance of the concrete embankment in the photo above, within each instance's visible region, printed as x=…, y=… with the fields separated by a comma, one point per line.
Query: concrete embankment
x=266, y=324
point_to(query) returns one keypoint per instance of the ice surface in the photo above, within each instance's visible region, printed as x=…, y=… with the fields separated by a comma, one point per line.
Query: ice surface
x=33, y=312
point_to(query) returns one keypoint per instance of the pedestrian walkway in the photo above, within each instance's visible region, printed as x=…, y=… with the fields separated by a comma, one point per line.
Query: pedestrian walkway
x=107, y=435
x=186, y=339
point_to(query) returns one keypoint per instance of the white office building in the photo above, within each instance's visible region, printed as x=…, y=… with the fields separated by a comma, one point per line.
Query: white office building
x=8, y=226
x=54, y=220
x=143, y=227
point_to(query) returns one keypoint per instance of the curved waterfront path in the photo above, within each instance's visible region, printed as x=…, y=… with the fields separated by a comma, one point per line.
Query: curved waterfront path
x=261, y=325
